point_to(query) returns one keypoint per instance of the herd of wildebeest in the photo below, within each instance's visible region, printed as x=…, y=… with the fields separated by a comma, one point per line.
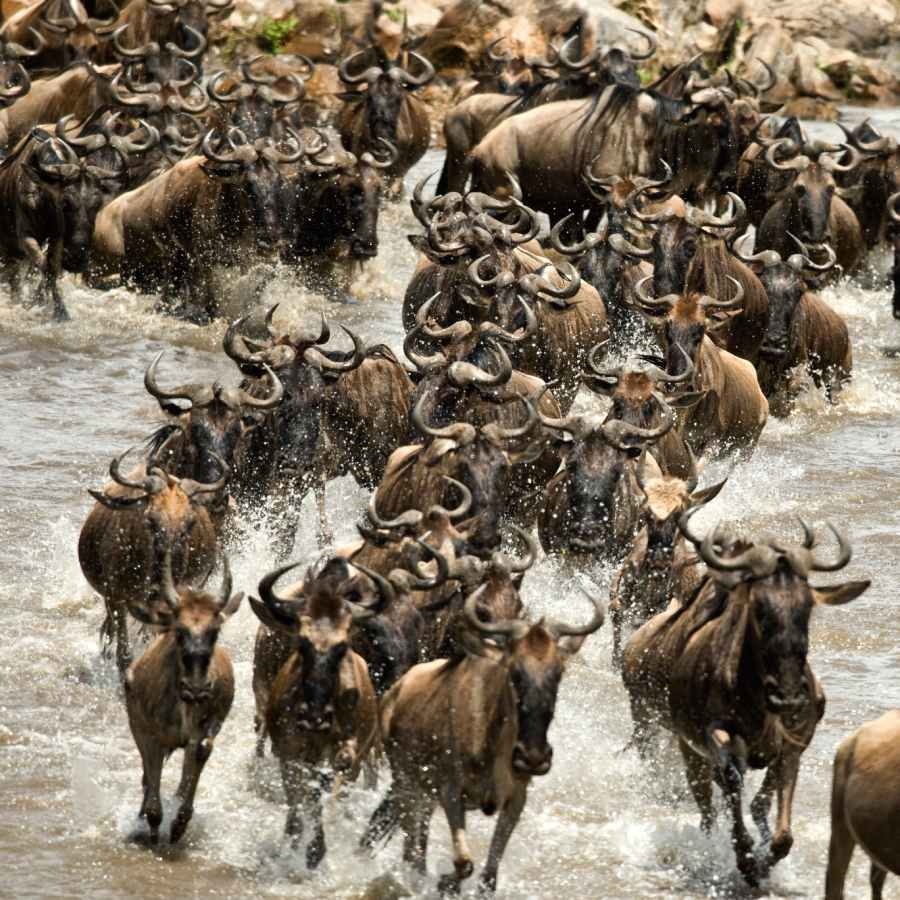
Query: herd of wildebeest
x=130, y=163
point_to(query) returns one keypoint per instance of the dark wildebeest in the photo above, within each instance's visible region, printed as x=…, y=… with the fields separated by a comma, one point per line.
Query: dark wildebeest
x=804, y=331
x=381, y=107
x=211, y=428
x=810, y=207
x=865, y=802
x=219, y=208
x=49, y=195
x=179, y=693
x=624, y=131
x=321, y=711
x=727, y=674
x=690, y=255
x=733, y=410
x=894, y=235
x=471, y=733
x=128, y=531
x=179, y=24
x=660, y=568
x=343, y=413
x=874, y=178
x=591, y=507
x=466, y=123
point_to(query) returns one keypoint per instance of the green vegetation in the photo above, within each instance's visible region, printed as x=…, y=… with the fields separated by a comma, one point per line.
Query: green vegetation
x=395, y=14
x=275, y=32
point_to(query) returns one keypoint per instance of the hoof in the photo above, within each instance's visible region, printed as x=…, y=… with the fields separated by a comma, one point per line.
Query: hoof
x=781, y=846
x=448, y=885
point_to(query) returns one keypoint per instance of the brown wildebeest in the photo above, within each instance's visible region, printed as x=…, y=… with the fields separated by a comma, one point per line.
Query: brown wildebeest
x=727, y=674
x=865, y=804
x=79, y=90
x=733, y=409
x=660, y=568
x=637, y=393
x=178, y=694
x=125, y=536
x=380, y=106
x=592, y=505
x=804, y=331
x=14, y=80
x=49, y=195
x=690, y=254
x=320, y=708
x=811, y=207
x=470, y=734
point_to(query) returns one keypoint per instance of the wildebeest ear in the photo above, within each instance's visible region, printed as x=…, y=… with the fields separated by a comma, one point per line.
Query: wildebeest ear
x=686, y=400
x=268, y=618
x=838, y=594
x=698, y=498
x=233, y=605
x=160, y=615
x=570, y=645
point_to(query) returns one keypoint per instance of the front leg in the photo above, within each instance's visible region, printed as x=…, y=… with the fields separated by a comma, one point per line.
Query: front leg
x=506, y=823
x=455, y=810
x=788, y=770
x=195, y=756
x=699, y=776
x=151, y=807
x=293, y=774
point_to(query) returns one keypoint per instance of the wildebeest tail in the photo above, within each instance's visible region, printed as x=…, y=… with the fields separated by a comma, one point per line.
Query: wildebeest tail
x=444, y=179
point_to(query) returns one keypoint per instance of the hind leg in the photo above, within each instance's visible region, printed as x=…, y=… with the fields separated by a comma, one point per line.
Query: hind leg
x=699, y=775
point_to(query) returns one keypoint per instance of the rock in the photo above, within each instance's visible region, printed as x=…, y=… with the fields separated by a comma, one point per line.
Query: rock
x=809, y=78
x=722, y=13
x=459, y=38
x=809, y=108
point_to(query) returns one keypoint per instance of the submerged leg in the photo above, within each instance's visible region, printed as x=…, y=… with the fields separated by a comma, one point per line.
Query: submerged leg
x=506, y=824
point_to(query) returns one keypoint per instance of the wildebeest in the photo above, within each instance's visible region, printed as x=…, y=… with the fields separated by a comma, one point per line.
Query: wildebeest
x=470, y=734
x=68, y=32
x=637, y=390
x=14, y=80
x=690, y=254
x=727, y=673
x=811, y=207
x=134, y=522
x=211, y=428
x=381, y=106
x=660, y=568
x=343, y=413
x=592, y=505
x=466, y=123
x=894, y=233
x=221, y=207
x=865, y=802
x=320, y=708
x=178, y=694
x=804, y=331
x=733, y=409
x=624, y=131
x=78, y=90
x=48, y=195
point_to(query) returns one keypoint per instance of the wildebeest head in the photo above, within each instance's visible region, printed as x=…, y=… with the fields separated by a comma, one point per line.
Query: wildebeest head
x=535, y=657
x=596, y=464
x=194, y=618
x=14, y=80
x=386, y=87
x=214, y=422
x=785, y=287
x=318, y=616
x=75, y=187
x=684, y=320
x=808, y=196
x=606, y=64
x=770, y=602
x=304, y=368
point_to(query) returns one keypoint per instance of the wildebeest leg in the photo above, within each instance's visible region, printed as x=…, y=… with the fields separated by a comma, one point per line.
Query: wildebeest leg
x=325, y=537
x=116, y=611
x=786, y=771
x=259, y=726
x=506, y=823
x=615, y=613
x=152, y=758
x=195, y=756
x=762, y=803
x=12, y=273
x=315, y=852
x=877, y=877
x=383, y=821
x=699, y=777
x=455, y=810
x=292, y=775
x=416, y=812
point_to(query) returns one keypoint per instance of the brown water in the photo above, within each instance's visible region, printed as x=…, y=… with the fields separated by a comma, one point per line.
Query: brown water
x=70, y=775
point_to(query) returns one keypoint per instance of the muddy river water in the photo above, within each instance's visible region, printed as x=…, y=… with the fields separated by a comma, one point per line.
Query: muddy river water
x=71, y=397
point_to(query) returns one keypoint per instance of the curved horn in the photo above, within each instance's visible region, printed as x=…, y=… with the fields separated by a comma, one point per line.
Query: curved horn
x=624, y=247
x=892, y=202
x=386, y=595
x=154, y=389
x=513, y=628
x=734, y=303
x=513, y=565
x=461, y=432
x=805, y=261
x=371, y=73
x=560, y=629
x=429, y=582
x=461, y=510
x=798, y=163
x=652, y=45
x=191, y=487
x=631, y=202
x=207, y=150
x=521, y=334
x=830, y=163
x=355, y=361
x=212, y=88
x=513, y=432
x=146, y=485
x=651, y=304
x=284, y=609
x=269, y=402
x=415, y=81
x=12, y=50
x=465, y=374
x=422, y=363
x=412, y=518
x=590, y=240
x=768, y=258
x=844, y=553
x=197, y=52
